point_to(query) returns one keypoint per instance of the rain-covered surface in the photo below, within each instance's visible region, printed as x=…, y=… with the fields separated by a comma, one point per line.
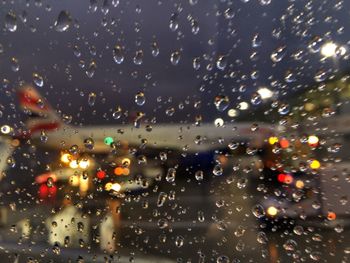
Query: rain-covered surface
x=174, y=131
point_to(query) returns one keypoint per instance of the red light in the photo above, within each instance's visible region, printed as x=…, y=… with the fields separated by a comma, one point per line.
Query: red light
x=281, y=178
x=45, y=191
x=285, y=178
x=101, y=174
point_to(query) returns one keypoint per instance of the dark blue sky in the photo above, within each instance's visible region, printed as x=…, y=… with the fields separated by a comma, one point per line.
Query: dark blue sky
x=134, y=25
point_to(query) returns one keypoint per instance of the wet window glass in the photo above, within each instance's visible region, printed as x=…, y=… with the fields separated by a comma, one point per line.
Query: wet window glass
x=174, y=131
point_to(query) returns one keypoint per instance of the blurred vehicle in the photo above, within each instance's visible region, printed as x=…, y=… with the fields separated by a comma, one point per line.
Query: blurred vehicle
x=289, y=183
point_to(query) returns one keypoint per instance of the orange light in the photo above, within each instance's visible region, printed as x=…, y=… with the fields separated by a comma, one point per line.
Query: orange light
x=66, y=158
x=118, y=171
x=315, y=164
x=15, y=142
x=126, y=171
x=273, y=140
x=331, y=216
x=284, y=143
x=299, y=184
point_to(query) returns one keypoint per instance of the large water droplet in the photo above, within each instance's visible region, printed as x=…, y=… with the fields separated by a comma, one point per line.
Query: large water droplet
x=118, y=55
x=38, y=80
x=154, y=49
x=221, y=102
x=221, y=62
x=175, y=58
x=138, y=59
x=258, y=211
x=90, y=72
x=174, y=24
x=179, y=241
x=11, y=21
x=278, y=54
x=171, y=175
x=63, y=21
x=140, y=98
x=92, y=99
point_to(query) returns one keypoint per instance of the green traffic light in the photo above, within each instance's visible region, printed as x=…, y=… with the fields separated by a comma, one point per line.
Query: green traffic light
x=108, y=140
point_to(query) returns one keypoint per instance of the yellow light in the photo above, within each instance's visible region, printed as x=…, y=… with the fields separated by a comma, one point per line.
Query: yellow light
x=272, y=211
x=108, y=186
x=329, y=49
x=309, y=106
x=232, y=113
x=65, y=158
x=74, y=164
x=273, y=140
x=74, y=180
x=312, y=140
x=299, y=184
x=83, y=184
x=126, y=162
x=116, y=187
x=84, y=164
x=315, y=164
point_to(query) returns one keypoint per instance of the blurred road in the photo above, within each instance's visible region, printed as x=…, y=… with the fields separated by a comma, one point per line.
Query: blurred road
x=184, y=221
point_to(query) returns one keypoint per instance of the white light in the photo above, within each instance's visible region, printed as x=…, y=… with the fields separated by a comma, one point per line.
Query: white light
x=5, y=129
x=116, y=187
x=329, y=49
x=232, y=113
x=265, y=93
x=73, y=164
x=219, y=122
x=243, y=105
x=83, y=164
x=341, y=51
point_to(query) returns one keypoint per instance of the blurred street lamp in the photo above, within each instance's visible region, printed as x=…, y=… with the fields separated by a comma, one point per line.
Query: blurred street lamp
x=265, y=93
x=330, y=49
x=243, y=105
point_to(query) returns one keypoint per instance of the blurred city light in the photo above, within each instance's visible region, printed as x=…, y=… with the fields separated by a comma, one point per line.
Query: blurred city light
x=272, y=211
x=315, y=164
x=313, y=140
x=273, y=140
x=66, y=158
x=84, y=164
x=74, y=164
x=232, y=113
x=330, y=49
x=5, y=129
x=243, y=105
x=265, y=93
